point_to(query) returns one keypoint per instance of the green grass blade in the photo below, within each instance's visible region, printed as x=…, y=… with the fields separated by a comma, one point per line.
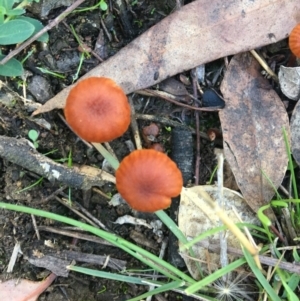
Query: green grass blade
x=144, y=256
x=163, y=288
x=106, y=275
x=214, y=276
x=178, y=233
x=260, y=277
x=289, y=153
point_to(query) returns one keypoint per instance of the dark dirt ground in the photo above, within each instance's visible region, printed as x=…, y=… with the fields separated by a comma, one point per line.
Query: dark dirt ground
x=61, y=55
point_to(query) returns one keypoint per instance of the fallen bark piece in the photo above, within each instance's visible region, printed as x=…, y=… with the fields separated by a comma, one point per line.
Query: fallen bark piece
x=18, y=151
x=199, y=32
x=252, y=124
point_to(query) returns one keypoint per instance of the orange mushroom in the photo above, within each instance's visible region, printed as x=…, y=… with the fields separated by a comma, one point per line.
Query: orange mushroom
x=97, y=110
x=148, y=179
x=294, y=40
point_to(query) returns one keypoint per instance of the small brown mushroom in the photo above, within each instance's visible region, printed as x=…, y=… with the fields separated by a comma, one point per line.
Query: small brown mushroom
x=148, y=179
x=97, y=110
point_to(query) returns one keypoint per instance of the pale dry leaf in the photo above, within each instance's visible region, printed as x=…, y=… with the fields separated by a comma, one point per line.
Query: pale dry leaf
x=199, y=32
x=295, y=133
x=252, y=124
x=289, y=80
x=194, y=221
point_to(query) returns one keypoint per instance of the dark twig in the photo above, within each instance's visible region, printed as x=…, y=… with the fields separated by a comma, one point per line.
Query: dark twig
x=197, y=117
x=41, y=32
x=170, y=98
x=269, y=261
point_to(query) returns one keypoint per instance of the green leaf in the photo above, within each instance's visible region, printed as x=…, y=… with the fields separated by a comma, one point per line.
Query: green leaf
x=15, y=12
x=103, y=5
x=15, y=31
x=33, y=135
x=37, y=27
x=2, y=10
x=2, y=13
x=8, y=4
x=11, y=68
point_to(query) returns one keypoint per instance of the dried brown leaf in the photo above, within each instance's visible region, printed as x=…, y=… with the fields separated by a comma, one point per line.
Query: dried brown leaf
x=200, y=32
x=252, y=124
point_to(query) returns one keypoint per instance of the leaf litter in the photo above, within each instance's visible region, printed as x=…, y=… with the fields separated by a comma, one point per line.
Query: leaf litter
x=254, y=116
x=199, y=32
x=252, y=123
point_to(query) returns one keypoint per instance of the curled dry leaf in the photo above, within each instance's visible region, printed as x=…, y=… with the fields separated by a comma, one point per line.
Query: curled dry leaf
x=199, y=32
x=289, y=80
x=194, y=221
x=252, y=123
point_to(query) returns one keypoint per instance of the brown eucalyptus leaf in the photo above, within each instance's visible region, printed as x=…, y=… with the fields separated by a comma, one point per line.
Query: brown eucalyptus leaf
x=199, y=32
x=252, y=122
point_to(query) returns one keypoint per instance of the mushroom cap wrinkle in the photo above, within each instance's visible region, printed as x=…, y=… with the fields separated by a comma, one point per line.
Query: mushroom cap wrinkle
x=148, y=179
x=294, y=40
x=97, y=110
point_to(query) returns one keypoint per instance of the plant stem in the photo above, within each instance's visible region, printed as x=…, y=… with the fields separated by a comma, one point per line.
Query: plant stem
x=107, y=155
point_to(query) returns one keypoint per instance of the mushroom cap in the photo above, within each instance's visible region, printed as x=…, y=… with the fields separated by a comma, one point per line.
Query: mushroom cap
x=147, y=179
x=97, y=110
x=294, y=40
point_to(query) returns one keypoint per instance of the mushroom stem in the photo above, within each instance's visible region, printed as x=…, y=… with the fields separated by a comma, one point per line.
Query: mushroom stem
x=107, y=155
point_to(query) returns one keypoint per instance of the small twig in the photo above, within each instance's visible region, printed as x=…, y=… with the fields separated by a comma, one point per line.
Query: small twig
x=110, y=149
x=41, y=32
x=104, y=195
x=13, y=257
x=264, y=65
x=35, y=227
x=161, y=255
x=197, y=117
x=74, y=234
x=170, y=98
x=105, y=30
x=52, y=195
x=163, y=120
x=88, y=214
x=134, y=126
x=71, y=206
x=222, y=234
